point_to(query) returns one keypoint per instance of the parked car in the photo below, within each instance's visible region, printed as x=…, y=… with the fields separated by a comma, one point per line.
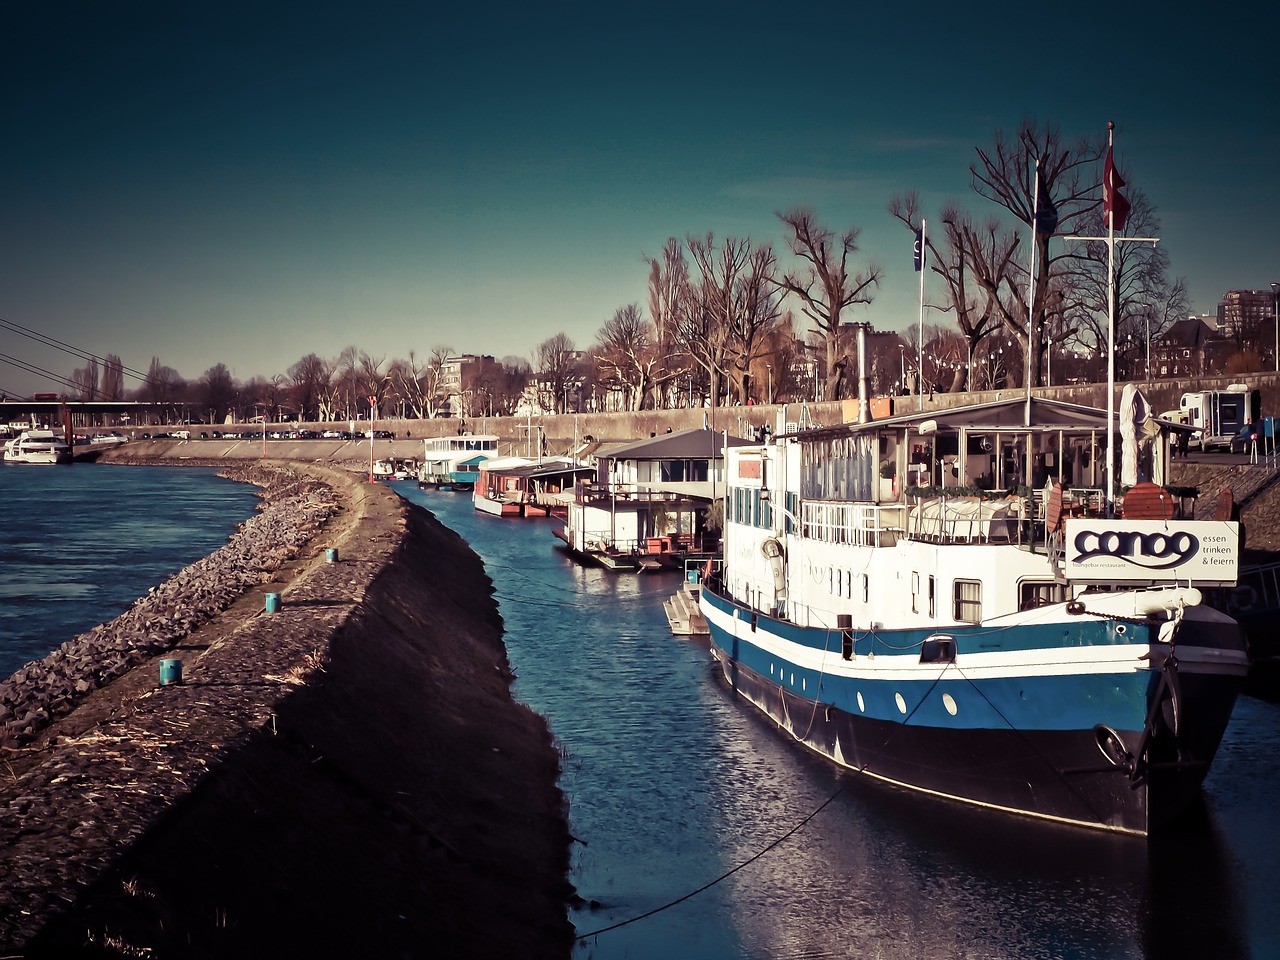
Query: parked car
x=1244, y=437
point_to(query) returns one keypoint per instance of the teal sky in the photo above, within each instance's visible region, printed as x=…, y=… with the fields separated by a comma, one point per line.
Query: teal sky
x=245, y=183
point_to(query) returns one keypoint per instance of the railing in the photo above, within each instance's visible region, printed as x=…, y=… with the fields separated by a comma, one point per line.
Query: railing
x=859, y=524
x=595, y=494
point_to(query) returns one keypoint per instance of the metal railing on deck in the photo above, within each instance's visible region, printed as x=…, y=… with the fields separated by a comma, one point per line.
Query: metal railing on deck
x=859, y=524
x=595, y=494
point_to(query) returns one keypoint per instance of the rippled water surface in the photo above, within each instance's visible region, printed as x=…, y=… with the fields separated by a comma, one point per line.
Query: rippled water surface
x=674, y=786
x=80, y=543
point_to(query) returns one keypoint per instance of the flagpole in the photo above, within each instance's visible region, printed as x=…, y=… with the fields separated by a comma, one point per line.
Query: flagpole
x=1114, y=207
x=920, y=361
x=1111, y=338
x=1031, y=301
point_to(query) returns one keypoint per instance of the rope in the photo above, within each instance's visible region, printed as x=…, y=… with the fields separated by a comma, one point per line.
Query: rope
x=724, y=876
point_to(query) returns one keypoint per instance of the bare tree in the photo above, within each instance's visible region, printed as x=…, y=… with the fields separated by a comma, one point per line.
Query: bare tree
x=1146, y=300
x=433, y=395
x=410, y=384
x=754, y=315
x=706, y=317
x=340, y=400
x=627, y=355
x=112, y=378
x=555, y=359
x=310, y=378
x=86, y=380
x=824, y=284
x=217, y=392
x=963, y=246
x=1007, y=175
x=668, y=284
x=511, y=377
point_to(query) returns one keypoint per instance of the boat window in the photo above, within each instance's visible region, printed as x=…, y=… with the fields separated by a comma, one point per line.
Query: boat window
x=932, y=593
x=915, y=592
x=866, y=589
x=1039, y=593
x=968, y=601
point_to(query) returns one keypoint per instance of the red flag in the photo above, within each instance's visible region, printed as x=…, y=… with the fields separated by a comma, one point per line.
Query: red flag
x=1115, y=208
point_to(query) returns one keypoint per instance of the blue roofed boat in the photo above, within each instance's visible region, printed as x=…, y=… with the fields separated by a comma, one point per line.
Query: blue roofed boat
x=948, y=603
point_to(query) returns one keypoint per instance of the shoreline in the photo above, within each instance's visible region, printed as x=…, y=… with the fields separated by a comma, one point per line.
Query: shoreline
x=350, y=772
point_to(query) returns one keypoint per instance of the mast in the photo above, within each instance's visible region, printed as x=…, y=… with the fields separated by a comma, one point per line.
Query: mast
x=920, y=266
x=1031, y=296
x=1109, y=216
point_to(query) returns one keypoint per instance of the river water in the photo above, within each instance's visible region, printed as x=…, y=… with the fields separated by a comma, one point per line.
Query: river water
x=674, y=787
x=703, y=832
x=79, y=544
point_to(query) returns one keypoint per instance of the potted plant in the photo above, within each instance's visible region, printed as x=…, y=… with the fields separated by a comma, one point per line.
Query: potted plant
x=888, y=476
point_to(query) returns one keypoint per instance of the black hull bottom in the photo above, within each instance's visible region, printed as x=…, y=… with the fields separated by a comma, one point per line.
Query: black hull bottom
x=1076, y=777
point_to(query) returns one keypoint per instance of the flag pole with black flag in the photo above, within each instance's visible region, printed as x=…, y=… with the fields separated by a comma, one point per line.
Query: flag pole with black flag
x=1031, y=301
x=920, y=265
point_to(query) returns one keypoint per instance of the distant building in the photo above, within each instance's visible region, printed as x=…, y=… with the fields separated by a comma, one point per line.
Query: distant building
x=1185, y=349
x=456, y=376
x=1243, y=314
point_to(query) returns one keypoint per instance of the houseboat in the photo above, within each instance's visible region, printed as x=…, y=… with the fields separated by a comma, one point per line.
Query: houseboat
x=649, y=504
x=453, y=462
x=515, y=487
x=947, y=602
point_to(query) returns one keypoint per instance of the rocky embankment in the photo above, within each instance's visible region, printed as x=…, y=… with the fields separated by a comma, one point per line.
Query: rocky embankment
x=347, y=775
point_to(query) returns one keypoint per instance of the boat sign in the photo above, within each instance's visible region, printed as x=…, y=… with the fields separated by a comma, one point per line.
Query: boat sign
x=1151, y=551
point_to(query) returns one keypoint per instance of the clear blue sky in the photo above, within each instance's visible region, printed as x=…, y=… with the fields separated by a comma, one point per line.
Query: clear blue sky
x=248, y=183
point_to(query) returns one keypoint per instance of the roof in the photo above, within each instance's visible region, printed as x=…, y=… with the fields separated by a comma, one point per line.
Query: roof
x=1192, y=332
x=547, y=468
x=693, y=444
x=997, y=415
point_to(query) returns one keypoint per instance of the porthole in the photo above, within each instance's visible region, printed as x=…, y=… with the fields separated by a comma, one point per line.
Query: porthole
x=902, y=704
x=1121, y=629
x=949, y=702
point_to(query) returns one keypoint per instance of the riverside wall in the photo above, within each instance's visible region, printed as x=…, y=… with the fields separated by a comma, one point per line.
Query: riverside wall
x=565, y=431
x=349, y=775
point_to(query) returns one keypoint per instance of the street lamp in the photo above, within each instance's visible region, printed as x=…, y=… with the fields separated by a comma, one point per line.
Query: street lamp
x=769, y=367
x=1275, y=304
x=1148, y=306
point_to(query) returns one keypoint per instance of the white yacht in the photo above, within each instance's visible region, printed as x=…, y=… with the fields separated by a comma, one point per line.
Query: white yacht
x=37, y=446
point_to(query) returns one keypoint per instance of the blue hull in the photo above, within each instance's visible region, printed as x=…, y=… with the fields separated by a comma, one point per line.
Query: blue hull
x=1082, y=744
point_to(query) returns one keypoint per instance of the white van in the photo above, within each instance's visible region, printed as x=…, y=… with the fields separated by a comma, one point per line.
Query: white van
x=1217, y=415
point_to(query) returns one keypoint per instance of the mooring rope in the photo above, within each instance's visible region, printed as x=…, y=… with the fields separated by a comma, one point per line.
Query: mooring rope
x=724, y=876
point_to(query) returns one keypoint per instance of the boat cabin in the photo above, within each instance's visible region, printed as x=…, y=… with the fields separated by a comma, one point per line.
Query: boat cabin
x=649, y=501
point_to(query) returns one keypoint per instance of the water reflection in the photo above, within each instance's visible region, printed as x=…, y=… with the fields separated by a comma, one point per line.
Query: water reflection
x=674, y=785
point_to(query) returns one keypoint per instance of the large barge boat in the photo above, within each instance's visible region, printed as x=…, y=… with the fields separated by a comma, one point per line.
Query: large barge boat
x=948, y=602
